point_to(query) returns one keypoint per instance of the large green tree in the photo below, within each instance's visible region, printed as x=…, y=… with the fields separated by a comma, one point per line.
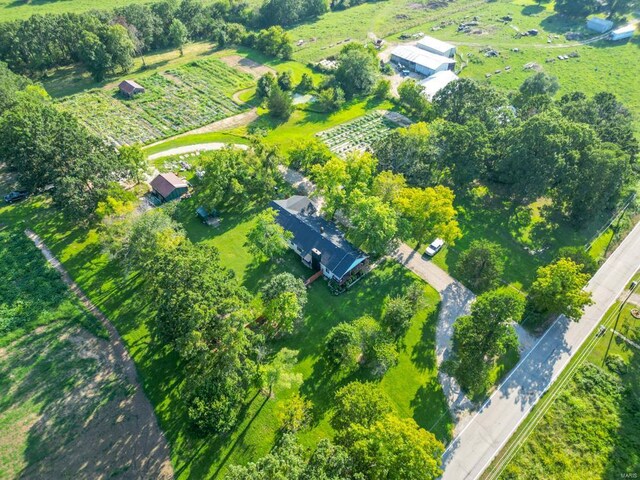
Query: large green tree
x=484, y=335
x=558, y=288
x=45, y=146
x=284, y=297
x=267, y=238
x=481, y=265
x=393, y=449
x=358, y=70
x=429, y=213
x=359, y=403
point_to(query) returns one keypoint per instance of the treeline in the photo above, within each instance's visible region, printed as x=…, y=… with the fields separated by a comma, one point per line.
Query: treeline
x=288, y=12
x=578, y=151
x=106, y=41
x=49, y=150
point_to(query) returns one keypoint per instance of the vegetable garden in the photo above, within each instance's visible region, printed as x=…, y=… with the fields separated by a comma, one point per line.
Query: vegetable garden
x=175, y=101
x=361, y=133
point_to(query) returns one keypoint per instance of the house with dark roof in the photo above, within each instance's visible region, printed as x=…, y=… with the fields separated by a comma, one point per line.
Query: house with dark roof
x=319, y=243
x=169, y=186
x=129, y=88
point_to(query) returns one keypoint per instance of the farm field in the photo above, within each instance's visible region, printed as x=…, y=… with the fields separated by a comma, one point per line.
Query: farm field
x=175, y=100
x=361, y=133
x=590, y=429
x=412, y=384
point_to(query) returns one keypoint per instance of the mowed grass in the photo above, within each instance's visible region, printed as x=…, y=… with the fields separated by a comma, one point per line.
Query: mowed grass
x=590, y=430
x=412, y=384
x=490, y=219
x=302, y=126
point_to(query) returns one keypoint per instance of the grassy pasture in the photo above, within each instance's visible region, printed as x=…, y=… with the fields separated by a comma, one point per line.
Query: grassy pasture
x=601, y=65
x=175, y=100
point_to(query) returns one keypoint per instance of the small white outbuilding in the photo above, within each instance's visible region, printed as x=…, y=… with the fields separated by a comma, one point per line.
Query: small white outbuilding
x=436, y=46
x=599, y=25
x=623, y=33
x=436, y=82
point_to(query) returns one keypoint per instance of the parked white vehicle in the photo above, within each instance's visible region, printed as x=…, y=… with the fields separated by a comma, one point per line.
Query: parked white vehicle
x=434, y=247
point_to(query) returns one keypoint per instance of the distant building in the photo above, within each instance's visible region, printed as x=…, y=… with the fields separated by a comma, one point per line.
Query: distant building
x=421, y=61
x=623, y=33
x=599, y=25
x=129, y=88
x=319, y=243
x=437, y=82
x=436, y=46
x=168, y=186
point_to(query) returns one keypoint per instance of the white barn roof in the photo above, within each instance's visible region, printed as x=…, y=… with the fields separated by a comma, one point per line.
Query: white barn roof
x=435, y=45
x=627, y=29
x=437, y=82
x=421, y=57
x=599, y=24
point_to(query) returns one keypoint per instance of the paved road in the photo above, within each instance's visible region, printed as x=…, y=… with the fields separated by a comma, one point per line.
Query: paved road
x=483, y=437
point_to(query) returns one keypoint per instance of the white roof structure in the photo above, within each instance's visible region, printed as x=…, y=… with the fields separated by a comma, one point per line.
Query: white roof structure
x=437, y=82
x=624, y=32
x=434, y=45
x=421, y=57
x=599, y=24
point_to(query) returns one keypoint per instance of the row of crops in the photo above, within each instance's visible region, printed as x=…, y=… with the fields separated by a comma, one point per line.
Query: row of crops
x=174, y=101
x=361, y=133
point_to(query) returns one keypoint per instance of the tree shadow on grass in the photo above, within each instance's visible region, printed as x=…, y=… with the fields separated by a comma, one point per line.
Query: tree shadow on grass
x=423, y=354
x=430, y=398
x=530, y=10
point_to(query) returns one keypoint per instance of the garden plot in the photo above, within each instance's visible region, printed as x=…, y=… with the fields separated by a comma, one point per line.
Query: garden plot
x=361, y=133
x=175, y=101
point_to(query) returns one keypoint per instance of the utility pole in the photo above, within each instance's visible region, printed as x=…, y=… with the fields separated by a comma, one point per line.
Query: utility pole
x=632, y=288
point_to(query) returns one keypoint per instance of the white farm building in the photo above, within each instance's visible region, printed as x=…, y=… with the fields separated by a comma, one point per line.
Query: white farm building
x=436, y=46
x=421, y=61
x=436, y=82
x=599, y=25
x=623, y=33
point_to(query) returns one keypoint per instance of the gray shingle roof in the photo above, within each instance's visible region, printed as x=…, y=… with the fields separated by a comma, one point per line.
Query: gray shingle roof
x=298, y=215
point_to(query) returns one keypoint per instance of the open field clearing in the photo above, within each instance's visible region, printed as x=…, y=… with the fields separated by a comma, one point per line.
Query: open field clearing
x=65, y=399
x=360, y=134
x=175, y=100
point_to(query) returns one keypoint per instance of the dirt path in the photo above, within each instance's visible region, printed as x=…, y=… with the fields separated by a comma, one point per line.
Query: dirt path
x=228, y=123
x=199, y=147
x=143, y=448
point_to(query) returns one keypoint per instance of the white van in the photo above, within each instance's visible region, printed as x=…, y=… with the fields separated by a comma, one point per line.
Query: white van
x=434, y=247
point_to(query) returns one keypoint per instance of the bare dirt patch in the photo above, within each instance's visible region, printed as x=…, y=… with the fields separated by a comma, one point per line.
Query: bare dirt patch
x=70, y=411
x=246, y=65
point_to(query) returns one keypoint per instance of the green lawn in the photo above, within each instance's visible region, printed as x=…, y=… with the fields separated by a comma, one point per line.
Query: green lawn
x=302, y=125
x=41, y=370
x=491, y=219
x=590, y=430
x=412, y=385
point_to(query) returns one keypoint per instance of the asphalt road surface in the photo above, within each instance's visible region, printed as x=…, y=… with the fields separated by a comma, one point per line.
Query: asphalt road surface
x=482, y=438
